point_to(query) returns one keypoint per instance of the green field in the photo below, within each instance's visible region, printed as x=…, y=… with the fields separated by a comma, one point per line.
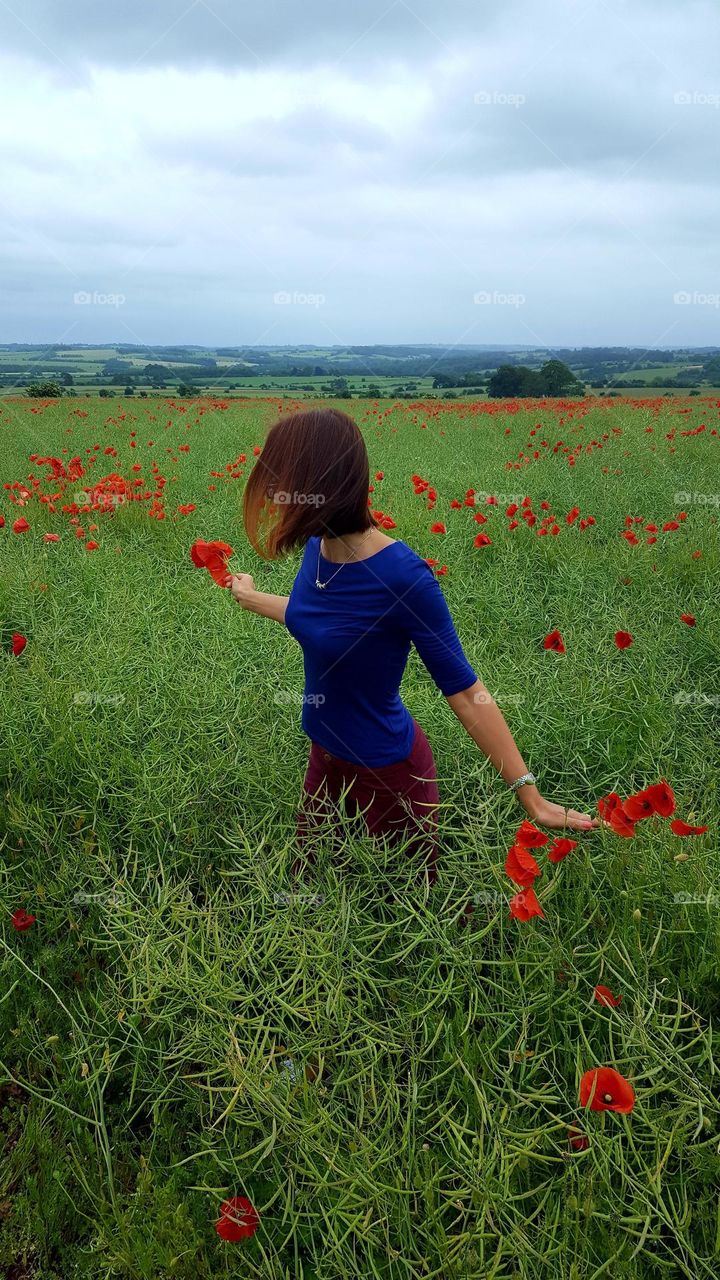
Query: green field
x=406, y=372
x=389, y=1082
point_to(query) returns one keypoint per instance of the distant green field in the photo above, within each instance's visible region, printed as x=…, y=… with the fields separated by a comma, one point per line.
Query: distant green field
x=92, y=370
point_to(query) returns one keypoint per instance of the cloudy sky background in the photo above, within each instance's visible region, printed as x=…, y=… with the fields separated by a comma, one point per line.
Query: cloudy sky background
x=380, y=164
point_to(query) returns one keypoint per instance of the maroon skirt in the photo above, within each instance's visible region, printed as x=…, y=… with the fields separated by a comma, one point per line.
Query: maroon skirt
x=398, y=801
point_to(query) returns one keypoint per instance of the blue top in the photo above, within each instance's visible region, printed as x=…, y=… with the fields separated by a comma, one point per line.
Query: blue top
x=355, y=636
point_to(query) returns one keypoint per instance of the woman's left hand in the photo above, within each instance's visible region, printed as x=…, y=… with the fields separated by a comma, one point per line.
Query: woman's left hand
x=555, y=816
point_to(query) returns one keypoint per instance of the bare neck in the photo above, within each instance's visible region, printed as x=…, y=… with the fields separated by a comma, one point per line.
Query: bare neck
x=353, y=546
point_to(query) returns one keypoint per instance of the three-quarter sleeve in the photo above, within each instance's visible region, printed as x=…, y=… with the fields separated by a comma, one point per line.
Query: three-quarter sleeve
x=424, y=615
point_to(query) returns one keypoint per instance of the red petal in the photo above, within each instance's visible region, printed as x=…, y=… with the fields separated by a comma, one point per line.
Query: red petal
x=604, y=995
x=560, y=848
x=529, y=837
x=521, y=867
x=681, y=828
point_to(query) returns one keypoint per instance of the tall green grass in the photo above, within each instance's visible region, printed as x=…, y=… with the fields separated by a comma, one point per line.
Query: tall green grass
x=390, y=1083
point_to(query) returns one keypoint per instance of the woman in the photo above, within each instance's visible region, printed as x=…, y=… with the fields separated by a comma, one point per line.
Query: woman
x=360, y=599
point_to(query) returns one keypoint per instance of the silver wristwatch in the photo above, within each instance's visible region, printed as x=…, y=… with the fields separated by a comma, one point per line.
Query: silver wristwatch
x=523, y=781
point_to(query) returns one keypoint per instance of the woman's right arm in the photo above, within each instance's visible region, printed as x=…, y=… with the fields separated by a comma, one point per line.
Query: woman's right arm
x=243, y=590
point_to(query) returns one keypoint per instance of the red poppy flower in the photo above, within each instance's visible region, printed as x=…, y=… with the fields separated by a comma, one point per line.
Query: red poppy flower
x=688, y=619
x=92, y=546
x=529, y=837
x=212, y=556
x=554, y=641
x=606, y=1090
x=521, y=867
x=572, y=515
x=479, y=518
x=670, y=526
x=18, y=643
x=577, y=1139
x=681, y=828
x=525, y=905
x=638, y=806
x=379, y=475
x=21, y=920
x=608, y=804
x=604, y=995
x=482, y=540
x=560, y=848
x=239, y=1219
x=21, y=525
x=438, y=527
x=623, y=639
x=620, y=823
x=662, y=799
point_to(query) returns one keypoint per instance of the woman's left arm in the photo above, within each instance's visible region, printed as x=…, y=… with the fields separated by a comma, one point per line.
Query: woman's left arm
x=432, y=631
x=480, y=715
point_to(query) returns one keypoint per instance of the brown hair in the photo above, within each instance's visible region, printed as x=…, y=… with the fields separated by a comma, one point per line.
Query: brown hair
x=312, y=477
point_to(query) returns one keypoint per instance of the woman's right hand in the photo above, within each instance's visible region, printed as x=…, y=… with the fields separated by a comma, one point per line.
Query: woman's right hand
x=241, y=586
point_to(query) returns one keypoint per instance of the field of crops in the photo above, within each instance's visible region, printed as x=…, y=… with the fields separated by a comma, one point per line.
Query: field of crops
x=392, y=1084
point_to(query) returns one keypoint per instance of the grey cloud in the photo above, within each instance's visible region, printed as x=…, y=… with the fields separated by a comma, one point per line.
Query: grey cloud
x=228, y=33
x=197, y=193
x=307, y=137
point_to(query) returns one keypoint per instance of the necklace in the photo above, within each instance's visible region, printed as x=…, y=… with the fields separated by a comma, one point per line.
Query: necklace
x=322, y=585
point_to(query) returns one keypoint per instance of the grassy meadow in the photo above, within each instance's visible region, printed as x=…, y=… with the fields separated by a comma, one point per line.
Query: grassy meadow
x=391, y=1083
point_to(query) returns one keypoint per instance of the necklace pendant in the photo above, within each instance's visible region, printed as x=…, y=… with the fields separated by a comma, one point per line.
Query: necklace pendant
x=320, y=585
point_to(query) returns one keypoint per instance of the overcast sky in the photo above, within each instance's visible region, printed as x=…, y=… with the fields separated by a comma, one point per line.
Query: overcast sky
x=446, y=171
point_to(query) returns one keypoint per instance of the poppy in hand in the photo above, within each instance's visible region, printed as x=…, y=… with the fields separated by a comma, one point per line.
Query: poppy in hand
x=212, y=556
